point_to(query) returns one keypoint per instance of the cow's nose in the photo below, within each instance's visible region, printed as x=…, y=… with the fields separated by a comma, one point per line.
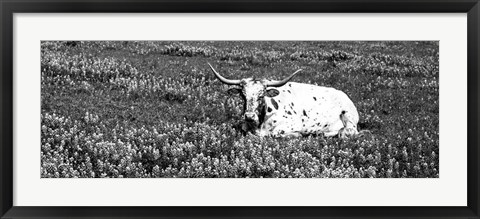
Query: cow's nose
x=250, y=116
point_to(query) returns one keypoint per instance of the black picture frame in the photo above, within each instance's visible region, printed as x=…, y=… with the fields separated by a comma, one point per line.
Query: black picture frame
x=9, y=7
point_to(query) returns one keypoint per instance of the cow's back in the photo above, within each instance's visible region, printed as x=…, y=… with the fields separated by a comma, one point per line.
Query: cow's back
x=301, y=109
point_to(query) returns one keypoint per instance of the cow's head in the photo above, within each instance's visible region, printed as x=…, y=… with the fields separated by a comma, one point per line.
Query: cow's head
x=253, y=93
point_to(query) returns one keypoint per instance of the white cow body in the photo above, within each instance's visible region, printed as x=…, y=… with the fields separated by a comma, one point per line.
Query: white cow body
x=304, y=109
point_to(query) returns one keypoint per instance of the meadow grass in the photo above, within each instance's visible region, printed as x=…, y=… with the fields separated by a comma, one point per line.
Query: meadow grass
x=154, y=109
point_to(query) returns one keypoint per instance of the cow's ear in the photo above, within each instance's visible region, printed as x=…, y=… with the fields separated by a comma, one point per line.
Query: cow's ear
x=272, y=92
x=233, y=91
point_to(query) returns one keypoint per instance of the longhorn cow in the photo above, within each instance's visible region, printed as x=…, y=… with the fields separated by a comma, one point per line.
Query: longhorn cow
x=283, y=108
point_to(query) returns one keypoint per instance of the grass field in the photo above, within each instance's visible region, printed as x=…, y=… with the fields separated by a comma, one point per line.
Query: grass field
x=154, y=109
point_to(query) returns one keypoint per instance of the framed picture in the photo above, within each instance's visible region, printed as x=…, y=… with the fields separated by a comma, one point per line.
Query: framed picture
x=261, y=109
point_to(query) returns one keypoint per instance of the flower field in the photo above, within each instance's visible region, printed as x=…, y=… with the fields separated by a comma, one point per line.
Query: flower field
x=154, y=109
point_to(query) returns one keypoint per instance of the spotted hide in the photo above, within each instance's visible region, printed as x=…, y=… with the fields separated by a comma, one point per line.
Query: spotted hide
x=283, y=108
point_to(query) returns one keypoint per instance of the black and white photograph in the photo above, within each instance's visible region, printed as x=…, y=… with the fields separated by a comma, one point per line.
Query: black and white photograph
x=239, y=109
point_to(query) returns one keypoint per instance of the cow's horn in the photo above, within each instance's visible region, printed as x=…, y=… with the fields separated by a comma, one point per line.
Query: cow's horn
x=224, y=80
x=282, y=82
